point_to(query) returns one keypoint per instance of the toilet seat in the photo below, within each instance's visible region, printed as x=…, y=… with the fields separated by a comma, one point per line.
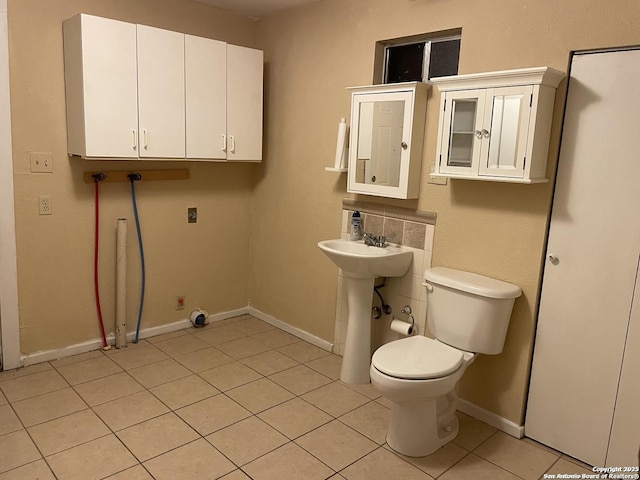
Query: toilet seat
x=417, y=358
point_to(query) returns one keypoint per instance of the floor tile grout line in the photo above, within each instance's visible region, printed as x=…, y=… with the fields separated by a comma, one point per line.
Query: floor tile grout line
x=497, y=432
x=550, y=467
x=320, y=460
x=498, y=466
x=39, y=394
x=399, y=455
x=112, y=432
x=299, y=396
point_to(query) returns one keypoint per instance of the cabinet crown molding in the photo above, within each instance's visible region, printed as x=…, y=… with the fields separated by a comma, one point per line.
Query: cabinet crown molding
x=523, y=76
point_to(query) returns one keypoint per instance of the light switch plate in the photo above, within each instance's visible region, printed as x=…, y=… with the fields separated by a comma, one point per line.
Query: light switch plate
x=41, y=162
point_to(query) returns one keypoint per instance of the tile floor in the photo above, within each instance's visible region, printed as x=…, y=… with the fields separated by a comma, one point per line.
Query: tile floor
x=238, y=399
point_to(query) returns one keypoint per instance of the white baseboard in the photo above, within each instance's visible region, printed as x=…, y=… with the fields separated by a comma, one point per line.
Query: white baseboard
x=49, y=355
x=502, y=424
x=464, y=406
x=218, y=317
x=96, y=344
x=304, y=335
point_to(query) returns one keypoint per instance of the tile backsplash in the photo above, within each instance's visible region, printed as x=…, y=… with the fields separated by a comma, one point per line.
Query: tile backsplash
x=411, y=228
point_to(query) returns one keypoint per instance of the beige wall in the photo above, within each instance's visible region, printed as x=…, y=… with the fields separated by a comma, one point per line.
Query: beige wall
x=312, y=54
x=207, y=262
x=279, y=210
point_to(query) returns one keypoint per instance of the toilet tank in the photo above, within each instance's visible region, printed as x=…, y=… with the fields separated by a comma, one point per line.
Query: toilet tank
x=469, y=311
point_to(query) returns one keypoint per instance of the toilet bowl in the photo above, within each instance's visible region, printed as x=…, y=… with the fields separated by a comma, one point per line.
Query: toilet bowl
x=419, y=376
x=468, y=314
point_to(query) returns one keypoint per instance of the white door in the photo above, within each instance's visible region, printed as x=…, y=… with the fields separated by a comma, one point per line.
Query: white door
x=244, y=103
x=590, y=270
x=386, y=149
x=161, y=93
x=206, y=98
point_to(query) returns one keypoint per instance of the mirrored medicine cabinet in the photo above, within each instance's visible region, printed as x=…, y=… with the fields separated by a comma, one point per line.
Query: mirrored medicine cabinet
x=387, y=132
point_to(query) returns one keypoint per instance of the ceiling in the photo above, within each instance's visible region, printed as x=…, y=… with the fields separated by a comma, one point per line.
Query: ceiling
x=254, y=8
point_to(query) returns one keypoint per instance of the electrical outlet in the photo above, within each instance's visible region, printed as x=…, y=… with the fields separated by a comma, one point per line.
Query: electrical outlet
x=44, y=205
x=180, y=302
x=192, y=215
x=436, y=180
x=41, y=162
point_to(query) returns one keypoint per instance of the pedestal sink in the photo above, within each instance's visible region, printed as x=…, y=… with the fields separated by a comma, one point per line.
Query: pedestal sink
x=360, y=265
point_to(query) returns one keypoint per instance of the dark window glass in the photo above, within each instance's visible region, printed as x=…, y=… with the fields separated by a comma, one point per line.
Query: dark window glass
x=404, y=63
x=444, y=58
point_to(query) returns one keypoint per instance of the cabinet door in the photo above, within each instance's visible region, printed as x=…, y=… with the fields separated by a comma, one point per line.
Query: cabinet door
x=381, y=135
x=101, y=87
x=505, y=129
x=460, y=144
x=205, y=98
x=161, y=93
x=244, y=103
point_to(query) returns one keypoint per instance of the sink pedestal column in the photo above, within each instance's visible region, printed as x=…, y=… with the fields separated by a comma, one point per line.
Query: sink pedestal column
x=357, y=350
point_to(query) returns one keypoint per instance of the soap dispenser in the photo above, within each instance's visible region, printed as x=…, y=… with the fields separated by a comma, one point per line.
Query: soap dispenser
x=356, y=226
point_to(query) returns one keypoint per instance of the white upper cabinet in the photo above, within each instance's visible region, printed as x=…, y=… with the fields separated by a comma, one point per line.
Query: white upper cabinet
x=224, y=100
x=139, y=92
x=206, y=98
x=101, y=87
x=244, y=103
x=386, y=139
x=161, y=94
x=496, y=126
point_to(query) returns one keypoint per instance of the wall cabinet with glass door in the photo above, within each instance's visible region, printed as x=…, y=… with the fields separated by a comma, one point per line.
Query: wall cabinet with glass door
x=496, y=126
x=387, y=131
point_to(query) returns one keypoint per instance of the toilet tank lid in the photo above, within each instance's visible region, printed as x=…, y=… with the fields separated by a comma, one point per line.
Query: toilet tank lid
x=471, y=283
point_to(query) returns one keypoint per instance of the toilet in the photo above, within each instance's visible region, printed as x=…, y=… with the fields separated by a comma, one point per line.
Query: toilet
x=467, y=314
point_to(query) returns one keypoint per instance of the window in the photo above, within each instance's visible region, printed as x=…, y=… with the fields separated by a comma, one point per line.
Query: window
x=417, y=58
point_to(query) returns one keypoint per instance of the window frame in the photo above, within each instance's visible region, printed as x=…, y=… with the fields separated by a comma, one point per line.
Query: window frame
x=383, y=46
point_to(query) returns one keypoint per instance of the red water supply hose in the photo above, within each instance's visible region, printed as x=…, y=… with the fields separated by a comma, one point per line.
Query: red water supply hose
x=97, y=179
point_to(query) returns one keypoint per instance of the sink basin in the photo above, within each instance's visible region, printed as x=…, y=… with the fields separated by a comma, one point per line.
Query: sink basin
x=358, y=259
x=360, y=265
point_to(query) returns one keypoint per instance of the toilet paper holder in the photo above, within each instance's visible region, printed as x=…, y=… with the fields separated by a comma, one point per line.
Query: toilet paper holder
x=407, y=311
x=403, y=327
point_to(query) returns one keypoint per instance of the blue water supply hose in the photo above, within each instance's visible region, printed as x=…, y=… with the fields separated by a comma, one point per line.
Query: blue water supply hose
x=134, y=177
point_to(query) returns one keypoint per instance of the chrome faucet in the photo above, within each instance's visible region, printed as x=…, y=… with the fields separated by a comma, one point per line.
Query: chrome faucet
x=374, y=241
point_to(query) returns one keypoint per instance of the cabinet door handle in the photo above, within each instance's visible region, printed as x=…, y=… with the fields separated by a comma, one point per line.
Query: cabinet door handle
x=224, y=142
x=485, y=133
x=478, y=134
x=145, y=141
x=135, y=140
x=233, y=144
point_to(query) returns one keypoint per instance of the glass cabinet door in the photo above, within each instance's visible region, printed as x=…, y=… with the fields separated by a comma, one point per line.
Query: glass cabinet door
x=461, y=132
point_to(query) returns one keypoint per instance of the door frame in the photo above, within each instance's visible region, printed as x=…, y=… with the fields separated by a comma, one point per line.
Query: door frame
x=544, y=263
x=9, y=321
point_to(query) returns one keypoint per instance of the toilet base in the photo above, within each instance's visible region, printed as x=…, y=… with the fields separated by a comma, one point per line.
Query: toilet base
x=416, y=430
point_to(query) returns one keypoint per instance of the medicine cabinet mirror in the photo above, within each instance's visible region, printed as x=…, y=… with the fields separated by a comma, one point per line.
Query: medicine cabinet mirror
x=387, y=131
